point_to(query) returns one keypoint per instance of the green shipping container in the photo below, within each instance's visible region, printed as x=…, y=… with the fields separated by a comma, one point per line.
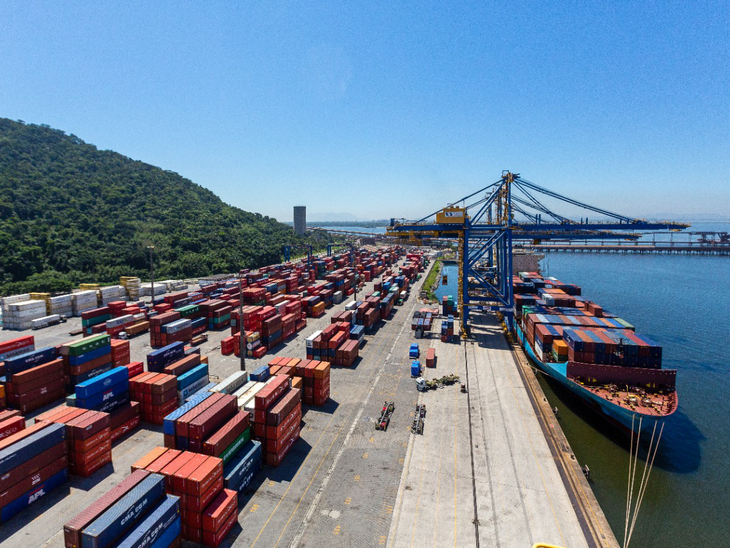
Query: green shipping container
x=88, y=344
x=233, y=449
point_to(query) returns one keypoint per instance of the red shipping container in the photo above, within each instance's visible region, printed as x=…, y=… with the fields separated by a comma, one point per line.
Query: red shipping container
x=123, y=429
x=181, y=424
x=180, y=479
x=275, y=459
x=135, y=368
x=82, y=446
x=197, y=505
x=278, y=412
x=217, y=512
x=72, y=530
x=11, y=426
x=214, y=539
x=218, y=442
x=275, y=432
x=209, y=420
x=204, y=476
x=31, y=466
x=270, y=393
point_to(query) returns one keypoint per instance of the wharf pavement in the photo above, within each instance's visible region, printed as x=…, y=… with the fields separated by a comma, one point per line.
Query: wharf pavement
x=482, y=473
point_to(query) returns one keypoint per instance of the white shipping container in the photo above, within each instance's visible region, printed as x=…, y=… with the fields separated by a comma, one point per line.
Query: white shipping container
x=232, y=383
x=310, y=339
x=121, y=320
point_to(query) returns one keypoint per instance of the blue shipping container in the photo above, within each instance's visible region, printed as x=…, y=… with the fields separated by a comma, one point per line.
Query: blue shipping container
x=261, y=374
x=196, y=373
x=35, y=444
x=102, y=382
x=92, y=355
x=238, y=473
x=168, y=424
x=76, y=379
x=97, y=399
x=161, y=358
x=16, y=364
x=124, y=513
x=151, y=528
x=12, y=508
x=170, y=535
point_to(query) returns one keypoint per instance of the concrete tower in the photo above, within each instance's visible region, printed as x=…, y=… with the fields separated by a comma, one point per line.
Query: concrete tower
x=300, y=220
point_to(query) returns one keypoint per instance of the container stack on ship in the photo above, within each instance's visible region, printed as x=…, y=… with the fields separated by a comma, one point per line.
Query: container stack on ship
x=593, y=353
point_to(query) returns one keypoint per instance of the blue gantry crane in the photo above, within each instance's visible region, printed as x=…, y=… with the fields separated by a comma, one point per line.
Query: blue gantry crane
x=306, y=247
x=349, y=246
x=487, y=222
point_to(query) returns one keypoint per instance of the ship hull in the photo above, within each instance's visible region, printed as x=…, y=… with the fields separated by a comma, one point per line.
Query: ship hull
x=620, y=417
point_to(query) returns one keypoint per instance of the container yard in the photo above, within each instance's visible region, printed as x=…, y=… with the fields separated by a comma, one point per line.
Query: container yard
x=129, y=434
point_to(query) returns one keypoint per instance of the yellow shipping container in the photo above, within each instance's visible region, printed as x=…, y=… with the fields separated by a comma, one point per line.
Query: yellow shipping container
x=89, y=287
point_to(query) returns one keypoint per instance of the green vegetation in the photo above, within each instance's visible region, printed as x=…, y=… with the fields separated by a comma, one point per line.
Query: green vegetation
x=432, y=280
x=71, y=213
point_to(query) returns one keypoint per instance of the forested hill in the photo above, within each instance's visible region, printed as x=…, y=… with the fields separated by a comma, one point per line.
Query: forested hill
x=71, y=213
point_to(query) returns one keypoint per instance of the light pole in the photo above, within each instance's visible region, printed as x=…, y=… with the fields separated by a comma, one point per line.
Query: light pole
x=241, y=334
x=152, y=274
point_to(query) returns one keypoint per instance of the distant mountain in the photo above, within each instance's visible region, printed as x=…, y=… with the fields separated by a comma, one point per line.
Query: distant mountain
x=690, y=217
x=71, y=213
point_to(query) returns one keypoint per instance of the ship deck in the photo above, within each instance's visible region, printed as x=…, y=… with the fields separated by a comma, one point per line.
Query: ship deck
x=650, y=404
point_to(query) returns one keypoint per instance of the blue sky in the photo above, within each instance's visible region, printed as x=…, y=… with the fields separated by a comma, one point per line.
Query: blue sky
x=389, y=109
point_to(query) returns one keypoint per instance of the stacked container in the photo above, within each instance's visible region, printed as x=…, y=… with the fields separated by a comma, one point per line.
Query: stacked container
x=277, y=413
x=197, y=481
x=112, y=293
x=86, y=359
x=62, y=304
x=105, y=392
x=155, y=524
x=33, y=462
x=88, y=435
x=135, y=513
x=157, y=394
x=35, y=379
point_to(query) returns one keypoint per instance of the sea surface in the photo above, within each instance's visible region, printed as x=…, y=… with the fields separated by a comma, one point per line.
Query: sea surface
x=682, y=302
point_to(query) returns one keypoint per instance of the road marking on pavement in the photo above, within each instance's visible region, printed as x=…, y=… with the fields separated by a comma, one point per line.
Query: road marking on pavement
x=348, y=500
x=336, y=531
x=308, y=516
x=301, y=467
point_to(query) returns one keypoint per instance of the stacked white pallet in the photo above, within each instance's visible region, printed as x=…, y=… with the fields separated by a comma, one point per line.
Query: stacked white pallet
x=112, y=293
x=5, y=301
x=84, y=300
x=19, y=315
x=63, y=305
x=145, y=289
x=132, y=285
x=45, y=321
x=175, y=285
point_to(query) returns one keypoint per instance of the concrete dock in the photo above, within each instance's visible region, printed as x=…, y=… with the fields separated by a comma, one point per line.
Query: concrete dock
x=484, y=472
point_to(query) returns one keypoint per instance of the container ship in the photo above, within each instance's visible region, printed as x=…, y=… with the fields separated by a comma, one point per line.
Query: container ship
x=596, y=355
